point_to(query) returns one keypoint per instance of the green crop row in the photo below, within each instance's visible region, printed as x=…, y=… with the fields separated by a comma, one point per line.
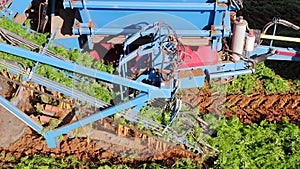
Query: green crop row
x=93, y=88
x=264, y=79
x=264, y=145
x=47, y=162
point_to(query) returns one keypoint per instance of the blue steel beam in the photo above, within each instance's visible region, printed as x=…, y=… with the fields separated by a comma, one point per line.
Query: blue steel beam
x=261, y=50
x=144, y=5
x=19, y=114
x=154, y=92
x=221, y=67
x=51, y=136
x=16, y=7
x=231, y=73
x=125, y=31
x=282, y=57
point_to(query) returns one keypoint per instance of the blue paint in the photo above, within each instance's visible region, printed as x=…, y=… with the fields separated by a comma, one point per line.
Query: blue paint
x=187, y=17
x=16, y=7
x=154, y=92
x=53, y=134
x=191, y=81
x=21, y=115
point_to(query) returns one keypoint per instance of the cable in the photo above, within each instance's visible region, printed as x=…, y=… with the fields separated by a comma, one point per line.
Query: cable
x=172, y=38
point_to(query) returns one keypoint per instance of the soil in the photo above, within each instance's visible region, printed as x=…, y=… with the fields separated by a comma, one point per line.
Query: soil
x=8, y=120
x=84, y=150
x=19, y=141
x=249, y=109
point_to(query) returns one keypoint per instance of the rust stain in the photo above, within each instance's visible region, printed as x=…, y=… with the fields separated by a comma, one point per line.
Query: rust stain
x=212, y=29
x=91, y=25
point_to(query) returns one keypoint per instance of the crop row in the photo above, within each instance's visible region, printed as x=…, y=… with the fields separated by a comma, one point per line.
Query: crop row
x=94, y=88
x=264, y=79
x=264, y=145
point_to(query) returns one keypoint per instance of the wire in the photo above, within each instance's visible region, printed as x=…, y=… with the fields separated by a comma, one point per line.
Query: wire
x=173, y=38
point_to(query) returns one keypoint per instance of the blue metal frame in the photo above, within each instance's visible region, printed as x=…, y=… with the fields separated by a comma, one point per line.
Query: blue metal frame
x=52, y=135
x=154, y=92
x=15, y=8
x=261, y=50
x=128, y=17
x=21, y=115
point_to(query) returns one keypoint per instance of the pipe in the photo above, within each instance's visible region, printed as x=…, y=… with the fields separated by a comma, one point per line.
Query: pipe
x=231, y=73
x=262, y=57
x=281, y=38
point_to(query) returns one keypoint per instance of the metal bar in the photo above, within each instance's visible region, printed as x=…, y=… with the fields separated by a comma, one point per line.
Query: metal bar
x=283, y=57
x=97, y=116
x=232, y=73
x=117, y=5
x=53, y=7
x=286, y=53
x=152, y=90
x=274, y=32
x=138, y=52
x=19, y=114
x=116, y=31
x=147, y=30
x=218, y=68
x=281, y=38
x=177, y=110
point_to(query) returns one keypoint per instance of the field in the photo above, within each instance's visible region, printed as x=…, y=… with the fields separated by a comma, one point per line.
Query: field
x=254, y=119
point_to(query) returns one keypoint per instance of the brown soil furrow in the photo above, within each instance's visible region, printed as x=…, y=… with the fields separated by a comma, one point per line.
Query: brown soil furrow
x=293, y=103
x=283, y=101
x=258, y=103
x=247, y=102
x=216, y=105
x=296, y=103
x=277, y=115
x=233, y=100
x=207, y=102
x=271, y=100
x=83, y=149
x=256, y=108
